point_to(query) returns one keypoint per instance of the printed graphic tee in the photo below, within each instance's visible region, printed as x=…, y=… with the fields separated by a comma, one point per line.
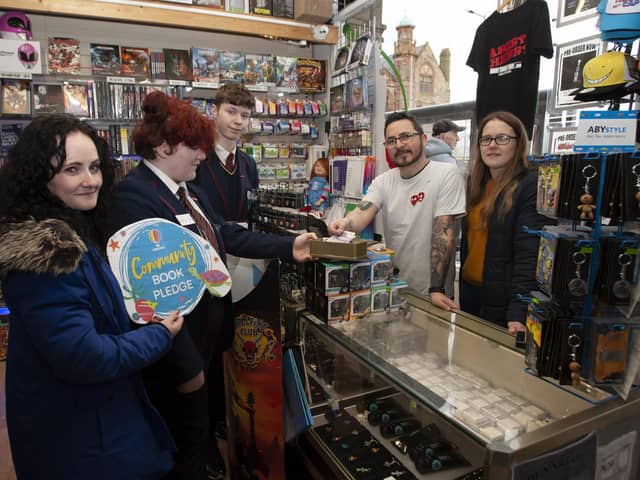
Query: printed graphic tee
x=408, y=207
x=506, y=55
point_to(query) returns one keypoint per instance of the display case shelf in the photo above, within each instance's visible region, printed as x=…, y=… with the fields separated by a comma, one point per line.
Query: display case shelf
x=441, y=367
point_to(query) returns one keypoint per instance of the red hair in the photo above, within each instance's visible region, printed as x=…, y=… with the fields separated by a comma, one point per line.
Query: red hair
x=324, y=163
x=169, y=119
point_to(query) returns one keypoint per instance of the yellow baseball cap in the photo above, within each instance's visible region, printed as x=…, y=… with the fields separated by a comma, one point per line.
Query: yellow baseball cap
x=608, y=76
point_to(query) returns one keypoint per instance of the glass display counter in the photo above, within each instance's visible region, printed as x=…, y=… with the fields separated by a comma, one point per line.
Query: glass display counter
x=445, y=396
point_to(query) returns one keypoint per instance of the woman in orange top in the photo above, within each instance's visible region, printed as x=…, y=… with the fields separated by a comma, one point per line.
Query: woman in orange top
x=498, y=258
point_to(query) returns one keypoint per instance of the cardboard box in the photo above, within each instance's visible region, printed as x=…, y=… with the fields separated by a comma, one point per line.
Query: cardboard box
x=396, y=289
x=355, y=250
x=332, y=277
x=380, y=298
x=381, y=269
x=20, y=58
x=333, y=308
x=313, y=11
x=360, y=304
x=360, y=275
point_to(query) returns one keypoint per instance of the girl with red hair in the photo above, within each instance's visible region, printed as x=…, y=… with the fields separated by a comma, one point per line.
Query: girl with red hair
x=173, y=138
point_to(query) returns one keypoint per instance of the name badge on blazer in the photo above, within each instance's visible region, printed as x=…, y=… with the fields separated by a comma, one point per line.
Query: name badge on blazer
x=185, y=219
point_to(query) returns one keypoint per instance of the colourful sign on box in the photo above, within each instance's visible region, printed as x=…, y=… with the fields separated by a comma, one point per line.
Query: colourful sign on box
x=162, y=267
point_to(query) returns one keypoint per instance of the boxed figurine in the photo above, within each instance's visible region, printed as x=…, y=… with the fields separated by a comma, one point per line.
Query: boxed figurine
x=396, y=288
x=360, y=275
x=360, y=304
x=380, y=298
x=333, y=308
x=381, y=268
x=332, y=277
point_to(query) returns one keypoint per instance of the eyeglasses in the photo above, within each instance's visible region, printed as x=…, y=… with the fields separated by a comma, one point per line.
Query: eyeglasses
x=499, y=139
x=403, y=137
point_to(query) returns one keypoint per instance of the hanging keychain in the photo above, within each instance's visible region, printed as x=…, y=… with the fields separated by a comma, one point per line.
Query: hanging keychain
x=550, y=192
x=542, y=191
x=577, y=286
x=586, y=206
x=636, y=171
x=574, y=342
x=622, y=288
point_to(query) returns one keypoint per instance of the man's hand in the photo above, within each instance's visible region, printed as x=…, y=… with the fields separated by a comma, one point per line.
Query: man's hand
x=337, y=227
x=442, y=301
x=301, y=249
x=515, y=327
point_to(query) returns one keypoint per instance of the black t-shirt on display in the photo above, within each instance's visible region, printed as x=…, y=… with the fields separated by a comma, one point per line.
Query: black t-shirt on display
x=506, y=54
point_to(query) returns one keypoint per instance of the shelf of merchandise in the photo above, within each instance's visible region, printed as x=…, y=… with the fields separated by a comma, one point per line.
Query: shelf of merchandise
x=595, y=394
x=177, y=15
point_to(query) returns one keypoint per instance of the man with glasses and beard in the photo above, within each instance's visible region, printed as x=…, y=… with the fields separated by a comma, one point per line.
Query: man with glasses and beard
x=419, y=201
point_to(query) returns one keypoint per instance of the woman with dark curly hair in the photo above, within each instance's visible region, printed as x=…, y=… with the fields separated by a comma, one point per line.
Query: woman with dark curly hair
x=76, y=404
x=173, y=138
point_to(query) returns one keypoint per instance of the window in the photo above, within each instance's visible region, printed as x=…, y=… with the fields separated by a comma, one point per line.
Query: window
x=391, y=98
x=404, y=71
x=426, y=80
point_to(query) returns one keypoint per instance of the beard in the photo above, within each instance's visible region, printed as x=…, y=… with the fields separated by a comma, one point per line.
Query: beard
x=415, y=155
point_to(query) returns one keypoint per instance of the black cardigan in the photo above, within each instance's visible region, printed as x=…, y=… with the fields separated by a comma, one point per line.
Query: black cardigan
x=511, y=255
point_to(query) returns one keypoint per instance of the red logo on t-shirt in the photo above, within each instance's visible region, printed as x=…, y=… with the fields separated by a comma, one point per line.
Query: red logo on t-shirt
x=515, y=47
x=417, y=198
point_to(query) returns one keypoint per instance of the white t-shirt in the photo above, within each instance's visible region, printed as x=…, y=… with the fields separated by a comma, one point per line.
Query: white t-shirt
x=408, y=208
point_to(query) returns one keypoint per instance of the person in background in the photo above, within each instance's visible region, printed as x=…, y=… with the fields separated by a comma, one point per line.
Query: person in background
x=444, y=138
x=76, y=403
x=228, y=174
x=419, y=201
x=317, y=197
x=227, y=177
x=172, y=138
x=498, y=258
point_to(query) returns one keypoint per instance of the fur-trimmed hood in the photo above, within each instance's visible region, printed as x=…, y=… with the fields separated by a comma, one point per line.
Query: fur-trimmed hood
x=46, y=246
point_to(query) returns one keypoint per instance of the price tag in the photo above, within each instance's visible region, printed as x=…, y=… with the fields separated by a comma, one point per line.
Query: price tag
x=258, y=88
x=22, y=76
x=121, y=80
x=205, y=85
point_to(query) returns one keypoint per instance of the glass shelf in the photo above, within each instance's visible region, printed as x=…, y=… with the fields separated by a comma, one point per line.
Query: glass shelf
x=478, y=384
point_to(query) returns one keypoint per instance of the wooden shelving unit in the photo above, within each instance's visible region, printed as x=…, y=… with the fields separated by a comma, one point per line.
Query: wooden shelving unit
x=175, y=15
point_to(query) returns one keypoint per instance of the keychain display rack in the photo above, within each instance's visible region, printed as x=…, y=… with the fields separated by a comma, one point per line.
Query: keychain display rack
x=580, y=328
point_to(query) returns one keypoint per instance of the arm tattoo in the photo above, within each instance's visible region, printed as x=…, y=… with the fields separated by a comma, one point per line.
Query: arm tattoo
x=442, y=245
x=364, y=205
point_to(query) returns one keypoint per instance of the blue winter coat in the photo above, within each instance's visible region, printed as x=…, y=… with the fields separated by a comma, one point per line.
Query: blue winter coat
x=76, y=405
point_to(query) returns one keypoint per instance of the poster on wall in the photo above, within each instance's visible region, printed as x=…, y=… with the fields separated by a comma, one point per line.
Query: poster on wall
x=570, y=60
x=561, y=140
x=570, y=11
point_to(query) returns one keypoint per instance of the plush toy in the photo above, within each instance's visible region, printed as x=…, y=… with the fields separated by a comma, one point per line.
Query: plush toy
x=586, y=207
